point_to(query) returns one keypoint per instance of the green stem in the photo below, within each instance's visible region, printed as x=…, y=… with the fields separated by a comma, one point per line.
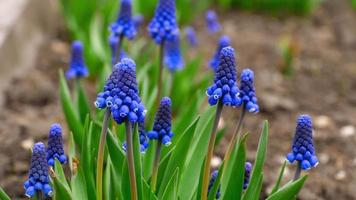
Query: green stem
x=130, y=160
x=118, y=49
x=236, y=135
x=205, y=183
x=155, y=166
x=100, y=162
x=298, y=171
x=160, y=74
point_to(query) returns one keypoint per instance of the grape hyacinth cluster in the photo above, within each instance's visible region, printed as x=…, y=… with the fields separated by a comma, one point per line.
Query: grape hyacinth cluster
x=163, y=27
x=191, y=36
x=142, y=137
x=173, y=59
x=124, y=26
x=77, y=67
x=163, y=122
x=212, y=22
x=121, y=94
x=113, y=42
x=303, y=148
x=225, y=87
x=224, y=41
x=248, y=92
x=137, y=21
x=213, y=177
x=55, y=146
x=38, y=180
x=248, y=168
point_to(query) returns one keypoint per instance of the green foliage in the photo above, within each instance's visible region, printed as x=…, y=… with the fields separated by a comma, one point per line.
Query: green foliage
x=3, y=195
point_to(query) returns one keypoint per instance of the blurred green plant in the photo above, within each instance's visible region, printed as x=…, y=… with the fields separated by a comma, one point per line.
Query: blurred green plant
x=353, y=4
x=288, y=50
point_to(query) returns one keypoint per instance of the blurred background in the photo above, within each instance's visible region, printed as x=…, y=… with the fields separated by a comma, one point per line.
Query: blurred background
x=303, y=53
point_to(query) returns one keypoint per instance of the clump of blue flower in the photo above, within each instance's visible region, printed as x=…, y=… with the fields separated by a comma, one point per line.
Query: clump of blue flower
x=224, y=41
x=121, y=94
x=212, y=22
x=38, y=180
x=77, y=67
x=248, y=92
x=163, y=122
x=55, y=146
x=213, y=177
x=173, y=58
x=163, y=26
x=248, y=168
x=191, y=36
x=143, y=138
x=113, y=42
x=303, y=148
x=124, y=25
x=225, y=87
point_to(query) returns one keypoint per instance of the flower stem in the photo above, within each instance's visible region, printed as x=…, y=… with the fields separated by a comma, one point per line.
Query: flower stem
x=160, y=74
x=155, y=166
x=100, y=162
x=204, y=189
x=297, y=172
x=118, y=49
x=236, y=135
x=130, y=160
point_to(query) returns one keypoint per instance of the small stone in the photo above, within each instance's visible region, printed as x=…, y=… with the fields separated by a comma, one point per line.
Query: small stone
x=347, y=131
x=324, y=158
x=27, y=144
x=340, y=175
x=215, y=162
x=322, y=121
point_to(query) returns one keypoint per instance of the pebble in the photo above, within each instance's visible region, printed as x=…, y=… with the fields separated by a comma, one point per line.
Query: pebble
x=340, y=175
x=324, y=158
x=27, y=144
x=347, y=131
x=322, y=121
x=215, y=162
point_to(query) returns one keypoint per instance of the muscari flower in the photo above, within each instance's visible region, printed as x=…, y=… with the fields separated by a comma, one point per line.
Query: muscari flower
x=121, y=94
x=38, y=176
x=212, y=22
x=224, y=41
x=77, y=67
x=163, y=122
x=225, y=87
x=213, y=177
x=173, y=58
x=248, y=168
x=303, y=148
x=191, y=36
x=142, y=137
x=247, y=91
x=137, y=20
x=113, y=42
x=55, y=145
x=124, y=25
x=163, y=26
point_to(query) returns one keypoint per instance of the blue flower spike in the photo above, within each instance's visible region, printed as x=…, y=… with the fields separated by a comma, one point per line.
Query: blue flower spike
x=224, y=41
x=248, y=168
x=173, y=58
x=191, y=36
x=113, y=42
x=213, y=177
x=225, y=87
x=163, y=26
x=137, y=21
x=212, y=22
x=121, y=94
x=163, y=122
x=77, y=67
x=143, y=138
x=38, y=180
x=55, y=146
x=303, y=148
x=124, y=25
x=248, y=92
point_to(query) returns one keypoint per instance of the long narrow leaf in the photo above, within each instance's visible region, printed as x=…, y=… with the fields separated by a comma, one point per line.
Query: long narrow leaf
x=289, y=191
x=278, y=182
x=171, y=191
x=3, y=195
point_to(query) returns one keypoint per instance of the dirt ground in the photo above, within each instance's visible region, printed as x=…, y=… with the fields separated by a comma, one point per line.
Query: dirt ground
x=324, y=86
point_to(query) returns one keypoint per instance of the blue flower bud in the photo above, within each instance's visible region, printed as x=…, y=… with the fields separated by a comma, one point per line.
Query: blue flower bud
x=213, y=177
x=247, y=91
x=163, y=26
x=124, y=24
x=248, y=168
x=55, y=145
x=225, y=87
x=142, y=137
x=137, y=20
x=303, y=148
x=224, y=41
x=212, y=22
x=191, y=36
x=77, y=67
x=113, y=42
x=172, y=55
x=38, y=179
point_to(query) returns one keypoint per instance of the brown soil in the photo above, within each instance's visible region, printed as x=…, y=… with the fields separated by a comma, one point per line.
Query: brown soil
x=324, y=84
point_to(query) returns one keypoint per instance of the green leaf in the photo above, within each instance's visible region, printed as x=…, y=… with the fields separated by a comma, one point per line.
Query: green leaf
x=278, y=182
x=60, y=173
x=82, y=102
x=71, y=152
x=178, y=157
x=147, y=191
x=78, y=185
x=215, y=188
x=61, y=187
x=69, y=112
x=235, y=180
x=116, y=153
x=137, y=161
x=259, y=188
x=290, y=190
x=171, y=191
x=257, y=168
x=3, y=195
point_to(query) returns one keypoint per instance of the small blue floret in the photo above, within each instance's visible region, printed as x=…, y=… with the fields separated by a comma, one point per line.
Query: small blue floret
x=248, y=168
x=77, y=67
x=212, y=22
x=191, y=36
x=173, y=58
